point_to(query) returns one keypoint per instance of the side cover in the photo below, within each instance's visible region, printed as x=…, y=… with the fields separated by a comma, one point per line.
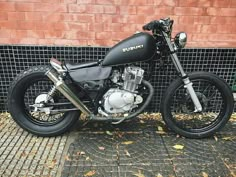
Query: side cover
x=139, y=47
x=90, y=74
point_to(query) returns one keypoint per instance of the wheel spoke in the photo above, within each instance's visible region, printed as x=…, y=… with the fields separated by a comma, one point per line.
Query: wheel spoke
x=187, y=119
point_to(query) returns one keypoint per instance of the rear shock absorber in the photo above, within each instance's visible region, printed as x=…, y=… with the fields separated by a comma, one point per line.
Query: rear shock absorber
x=51, y=93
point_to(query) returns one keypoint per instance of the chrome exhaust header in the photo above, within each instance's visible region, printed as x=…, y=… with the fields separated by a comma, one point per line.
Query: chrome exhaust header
x=65, y=90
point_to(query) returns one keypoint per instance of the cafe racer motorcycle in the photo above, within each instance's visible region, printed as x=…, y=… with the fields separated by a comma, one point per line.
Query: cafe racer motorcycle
x=48, y=100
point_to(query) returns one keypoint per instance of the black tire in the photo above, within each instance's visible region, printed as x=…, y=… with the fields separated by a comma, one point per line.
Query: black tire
x=179, y=124
x=21, y=114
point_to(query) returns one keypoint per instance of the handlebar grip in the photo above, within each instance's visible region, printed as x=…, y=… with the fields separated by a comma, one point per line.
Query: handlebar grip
x=146, y=27
x=152, y=25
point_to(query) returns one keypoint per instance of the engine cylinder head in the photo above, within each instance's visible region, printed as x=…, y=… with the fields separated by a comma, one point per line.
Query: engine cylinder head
x=132, y=77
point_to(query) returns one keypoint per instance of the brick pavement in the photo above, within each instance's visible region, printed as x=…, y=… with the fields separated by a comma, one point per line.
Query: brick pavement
x=135, y=148
x=23, y=154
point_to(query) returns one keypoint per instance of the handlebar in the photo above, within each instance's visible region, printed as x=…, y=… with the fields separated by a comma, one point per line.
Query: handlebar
x=151, y=25
x=163, y=25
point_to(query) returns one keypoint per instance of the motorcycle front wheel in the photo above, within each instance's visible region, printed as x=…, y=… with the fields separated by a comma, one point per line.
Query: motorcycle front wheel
x=32, y=85
x=215, y=97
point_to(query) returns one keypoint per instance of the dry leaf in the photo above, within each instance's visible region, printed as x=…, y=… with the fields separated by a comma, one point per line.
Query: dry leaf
x=139, y=174
x=228, y=138
x=67, y=158
x=80, y=153
x=141, y=121
x=127, y=153
x=23, y=154
x=90, y=173
x=52, y=164
x=159, y=128
x=127, y=142
x=178, y=146
x=101, y=148
x=215, y=137
x=120, y=134
x=159, y=175
x=109, y=133
x=204, y=174
x=87, y=158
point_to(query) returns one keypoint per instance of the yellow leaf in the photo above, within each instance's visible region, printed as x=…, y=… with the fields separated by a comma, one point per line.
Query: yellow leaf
x=178, y=146
x=228, y=138
x=159, y=128
x=127, y=153
x=67, y=158
x=109, y=133
x=204, y=174
x=52, y=164
x=127, y=142
x=90, y=173
x=159, y=175
x=139, y=174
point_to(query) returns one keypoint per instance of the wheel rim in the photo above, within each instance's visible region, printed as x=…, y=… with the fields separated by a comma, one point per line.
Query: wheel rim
x=32, y=89
x=212, y=100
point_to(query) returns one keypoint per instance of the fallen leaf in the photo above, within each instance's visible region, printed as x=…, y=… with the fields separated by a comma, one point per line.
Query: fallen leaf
x=215, y=137
x=127, y=142
x=52, y=164
x=159, y=175
x=80, y=153
x=139, y=174
x=178, y=146
x=101, y=148
x=87, y=158
x=23, y=154
x=119, y=134
x=228, y=138
x=109, y=133
x=141, y=121
x=127, y=153
x=90, y=173
x=159, y=128
x=204, y=174
x=67, y=158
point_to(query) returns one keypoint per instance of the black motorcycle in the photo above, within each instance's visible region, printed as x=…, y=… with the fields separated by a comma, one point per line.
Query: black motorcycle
x=48, y=100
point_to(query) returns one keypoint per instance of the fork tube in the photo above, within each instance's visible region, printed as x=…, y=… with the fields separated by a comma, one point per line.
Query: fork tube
x=187, y=83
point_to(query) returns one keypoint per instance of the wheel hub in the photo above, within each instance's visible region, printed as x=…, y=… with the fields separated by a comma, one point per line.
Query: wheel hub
x=188, y=106
x=40, y=103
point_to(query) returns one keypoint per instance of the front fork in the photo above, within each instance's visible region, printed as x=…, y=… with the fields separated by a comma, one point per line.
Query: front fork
x=187, y=83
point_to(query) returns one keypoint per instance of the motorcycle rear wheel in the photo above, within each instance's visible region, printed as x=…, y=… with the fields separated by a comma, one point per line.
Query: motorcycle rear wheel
x=24, y=90
x=215, y=97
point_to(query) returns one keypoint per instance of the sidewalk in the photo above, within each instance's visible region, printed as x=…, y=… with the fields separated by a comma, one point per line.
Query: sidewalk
x=140, y=148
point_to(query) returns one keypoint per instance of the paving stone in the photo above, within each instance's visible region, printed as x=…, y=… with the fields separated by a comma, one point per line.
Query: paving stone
x=21, y=153
x=133, y=149
x=136, y=151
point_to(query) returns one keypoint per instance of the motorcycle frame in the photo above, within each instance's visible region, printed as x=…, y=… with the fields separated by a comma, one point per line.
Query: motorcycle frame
x=60, y=85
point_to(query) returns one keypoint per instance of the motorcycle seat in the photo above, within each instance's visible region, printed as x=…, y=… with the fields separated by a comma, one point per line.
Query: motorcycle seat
x=72, y=66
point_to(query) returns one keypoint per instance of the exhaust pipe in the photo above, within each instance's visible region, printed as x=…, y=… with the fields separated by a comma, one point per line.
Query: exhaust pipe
x=65, y=90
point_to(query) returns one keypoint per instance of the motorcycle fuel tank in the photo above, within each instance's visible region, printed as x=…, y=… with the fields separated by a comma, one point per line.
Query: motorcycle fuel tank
x=139, y=47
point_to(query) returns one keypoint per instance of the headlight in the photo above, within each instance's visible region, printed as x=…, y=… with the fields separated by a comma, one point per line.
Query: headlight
x=181, y=40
